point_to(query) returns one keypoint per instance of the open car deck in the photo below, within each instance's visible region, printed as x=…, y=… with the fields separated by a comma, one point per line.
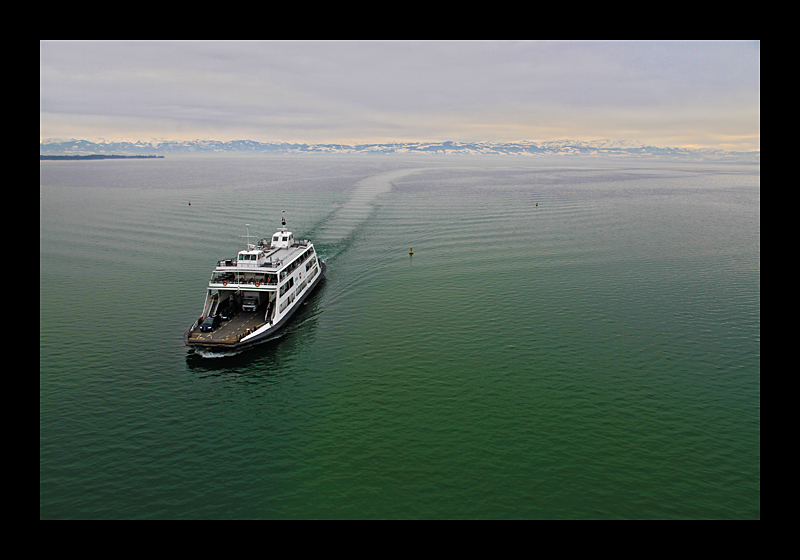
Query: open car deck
x=230, y=331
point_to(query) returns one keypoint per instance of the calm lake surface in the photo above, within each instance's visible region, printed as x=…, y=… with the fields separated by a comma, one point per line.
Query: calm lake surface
x=573, y=338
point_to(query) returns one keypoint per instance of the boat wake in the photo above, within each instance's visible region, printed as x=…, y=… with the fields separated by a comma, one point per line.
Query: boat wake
x=206, y=353
x=343, y=222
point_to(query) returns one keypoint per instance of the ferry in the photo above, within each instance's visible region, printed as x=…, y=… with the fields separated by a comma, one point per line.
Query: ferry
x=251, y=296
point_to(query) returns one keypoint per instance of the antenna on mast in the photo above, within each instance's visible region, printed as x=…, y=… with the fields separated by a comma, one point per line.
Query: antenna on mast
x=247, y=236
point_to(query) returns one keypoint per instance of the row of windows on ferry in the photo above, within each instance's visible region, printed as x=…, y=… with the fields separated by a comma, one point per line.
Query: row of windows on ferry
x=301, y=286
x=300, y=260
x=289, y=283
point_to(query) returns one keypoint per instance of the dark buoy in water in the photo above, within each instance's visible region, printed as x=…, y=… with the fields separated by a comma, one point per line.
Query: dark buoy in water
x=537, y=204
x=190, y=203
x=411, y=252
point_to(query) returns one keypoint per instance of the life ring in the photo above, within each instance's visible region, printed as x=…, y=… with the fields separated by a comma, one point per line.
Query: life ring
x=224, y=282
x=257, y=284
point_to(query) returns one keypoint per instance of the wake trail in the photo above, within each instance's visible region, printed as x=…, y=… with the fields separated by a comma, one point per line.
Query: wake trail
x=343, y=222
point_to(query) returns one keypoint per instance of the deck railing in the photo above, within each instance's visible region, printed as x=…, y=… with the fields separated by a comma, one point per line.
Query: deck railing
x=232, y=279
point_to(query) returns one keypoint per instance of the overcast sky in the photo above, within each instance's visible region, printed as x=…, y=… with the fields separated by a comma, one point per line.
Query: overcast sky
x=693, y=94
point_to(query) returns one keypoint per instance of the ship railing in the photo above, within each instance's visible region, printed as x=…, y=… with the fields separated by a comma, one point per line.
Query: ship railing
x=230, y=279
x=228, y=263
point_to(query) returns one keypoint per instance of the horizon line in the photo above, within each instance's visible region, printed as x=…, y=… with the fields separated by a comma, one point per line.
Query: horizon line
x=620, y=143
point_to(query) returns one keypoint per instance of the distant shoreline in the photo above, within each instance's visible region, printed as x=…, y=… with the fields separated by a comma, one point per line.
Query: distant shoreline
x=96, y=156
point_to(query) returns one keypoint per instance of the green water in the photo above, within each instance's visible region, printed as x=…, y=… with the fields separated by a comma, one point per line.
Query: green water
x=573, y=338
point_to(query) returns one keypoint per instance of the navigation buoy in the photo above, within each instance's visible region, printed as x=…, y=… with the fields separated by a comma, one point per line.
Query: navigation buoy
x=190, y=203
x=411, y=251
x=537, y=204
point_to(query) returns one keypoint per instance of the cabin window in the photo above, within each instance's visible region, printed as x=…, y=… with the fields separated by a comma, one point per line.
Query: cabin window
x=287, y=286
x=276, y=238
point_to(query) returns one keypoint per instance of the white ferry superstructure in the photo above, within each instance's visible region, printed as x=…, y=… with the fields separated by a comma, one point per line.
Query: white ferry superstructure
x=252, y=296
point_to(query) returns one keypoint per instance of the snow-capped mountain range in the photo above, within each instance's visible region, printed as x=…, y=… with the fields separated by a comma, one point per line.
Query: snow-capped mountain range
x=597, y=148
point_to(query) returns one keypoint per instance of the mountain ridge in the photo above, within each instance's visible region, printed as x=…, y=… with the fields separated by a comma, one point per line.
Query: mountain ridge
x=564, y=147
